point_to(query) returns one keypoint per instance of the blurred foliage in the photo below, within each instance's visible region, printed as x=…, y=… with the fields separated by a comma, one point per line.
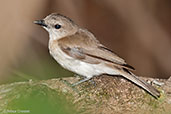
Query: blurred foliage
x=33, y=70
x=34, y=99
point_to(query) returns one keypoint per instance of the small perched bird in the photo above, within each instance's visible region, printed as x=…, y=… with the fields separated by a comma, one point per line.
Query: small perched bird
x=78, y=50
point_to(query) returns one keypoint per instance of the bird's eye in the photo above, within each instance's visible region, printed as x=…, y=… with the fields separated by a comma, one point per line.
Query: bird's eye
x=57, y=26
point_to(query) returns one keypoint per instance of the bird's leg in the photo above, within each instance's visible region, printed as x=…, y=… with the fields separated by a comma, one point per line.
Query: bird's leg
x=81, y=81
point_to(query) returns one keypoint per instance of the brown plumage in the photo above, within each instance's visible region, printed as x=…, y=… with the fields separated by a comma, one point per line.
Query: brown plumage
x=91, y=51
x=77, y=50
x=88, y=49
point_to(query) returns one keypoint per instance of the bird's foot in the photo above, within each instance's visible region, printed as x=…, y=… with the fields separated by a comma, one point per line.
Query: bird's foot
x=81, y=81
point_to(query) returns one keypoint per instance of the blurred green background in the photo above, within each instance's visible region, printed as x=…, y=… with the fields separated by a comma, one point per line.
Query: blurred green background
x=37, y=98
x=138, y=30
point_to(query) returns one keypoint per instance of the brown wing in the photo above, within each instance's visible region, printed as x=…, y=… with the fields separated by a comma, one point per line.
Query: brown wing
x=85, y=47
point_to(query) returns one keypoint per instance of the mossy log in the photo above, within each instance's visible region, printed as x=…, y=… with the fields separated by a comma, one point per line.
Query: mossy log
x=108, y=95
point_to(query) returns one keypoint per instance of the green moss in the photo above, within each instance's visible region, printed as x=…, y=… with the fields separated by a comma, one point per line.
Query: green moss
x=35, y=99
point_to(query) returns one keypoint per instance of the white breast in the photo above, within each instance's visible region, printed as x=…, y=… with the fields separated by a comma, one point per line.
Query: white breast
x=82, y=68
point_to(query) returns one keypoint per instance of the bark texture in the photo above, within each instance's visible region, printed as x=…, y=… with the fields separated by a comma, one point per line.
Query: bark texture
x=108, y=95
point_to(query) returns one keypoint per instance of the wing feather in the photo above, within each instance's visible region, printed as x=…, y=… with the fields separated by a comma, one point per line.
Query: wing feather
x=85, y=47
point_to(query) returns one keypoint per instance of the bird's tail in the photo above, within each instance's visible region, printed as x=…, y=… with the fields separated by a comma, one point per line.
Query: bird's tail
x=141, y=83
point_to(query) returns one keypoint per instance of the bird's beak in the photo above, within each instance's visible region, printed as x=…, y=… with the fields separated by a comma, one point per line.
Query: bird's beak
x=40, y=22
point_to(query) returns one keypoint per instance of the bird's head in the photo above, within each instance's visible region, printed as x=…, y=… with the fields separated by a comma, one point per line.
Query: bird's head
x=58, y=26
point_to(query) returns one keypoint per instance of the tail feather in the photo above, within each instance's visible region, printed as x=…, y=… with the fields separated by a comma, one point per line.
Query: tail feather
x=149, y=88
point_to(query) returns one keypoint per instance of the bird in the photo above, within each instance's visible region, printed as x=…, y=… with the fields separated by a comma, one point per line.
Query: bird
x=78, y=50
